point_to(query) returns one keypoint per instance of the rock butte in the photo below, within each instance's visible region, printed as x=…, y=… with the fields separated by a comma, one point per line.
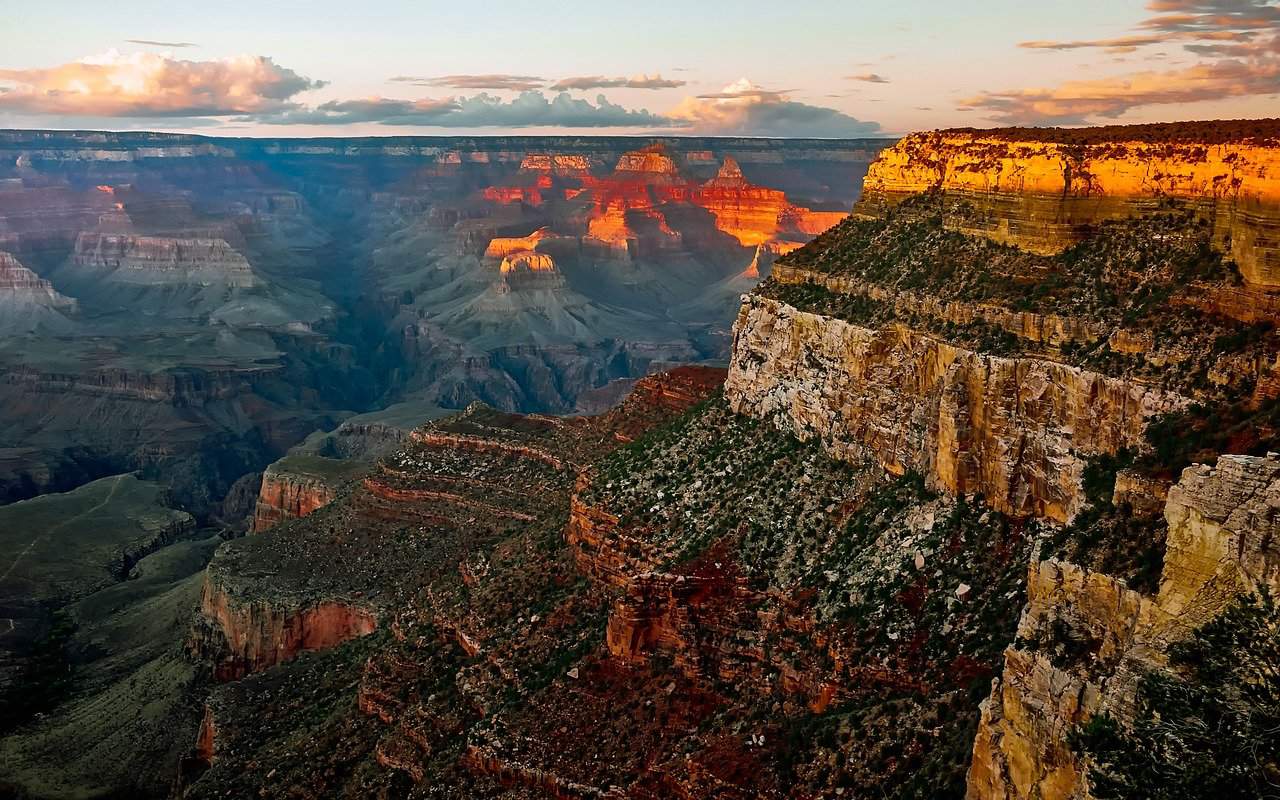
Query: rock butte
x=527, y=261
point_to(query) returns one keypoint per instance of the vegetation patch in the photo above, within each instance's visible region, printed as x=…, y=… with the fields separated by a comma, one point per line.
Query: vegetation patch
x=1207, y=726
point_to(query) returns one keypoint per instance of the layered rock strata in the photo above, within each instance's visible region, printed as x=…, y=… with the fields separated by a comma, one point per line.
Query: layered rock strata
x=1222, y=542
x=238, y=636
x=1045, y=195
x=289, y=494
x=148, y=258
x=1015, y=430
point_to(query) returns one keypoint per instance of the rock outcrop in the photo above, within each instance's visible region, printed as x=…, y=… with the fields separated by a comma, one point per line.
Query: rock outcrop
x=1222, y=542
x=1015, y=430
x=237, y=637
x=289, y=493
x=528, y=270
x=28, y=303
x=147, y=259
x=1045, y=192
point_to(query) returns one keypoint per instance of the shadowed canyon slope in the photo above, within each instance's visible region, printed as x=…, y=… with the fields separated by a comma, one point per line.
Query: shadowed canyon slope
x=243, y=326
x=983, y=506
x=197, y=306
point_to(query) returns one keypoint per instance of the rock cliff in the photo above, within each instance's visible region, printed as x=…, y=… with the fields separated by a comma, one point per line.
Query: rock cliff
x=1015, y=430
x=289, y=492
x=1044, y=195
x=236, y=638
x=145, y=259
x=30, y=304
x=1086, y=640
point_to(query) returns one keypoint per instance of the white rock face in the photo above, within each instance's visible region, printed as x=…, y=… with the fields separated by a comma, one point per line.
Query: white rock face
x=1015, y=430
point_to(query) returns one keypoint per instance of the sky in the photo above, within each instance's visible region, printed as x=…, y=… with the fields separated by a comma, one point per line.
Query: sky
x=837, y=68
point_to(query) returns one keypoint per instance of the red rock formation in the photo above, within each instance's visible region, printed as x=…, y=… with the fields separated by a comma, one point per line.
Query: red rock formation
x=751, y=214
x=755, y=214
x=384, y=490
x=207, y=739
x=507, y=195
x=288, y=495
x=475, y=444
x=238, y=638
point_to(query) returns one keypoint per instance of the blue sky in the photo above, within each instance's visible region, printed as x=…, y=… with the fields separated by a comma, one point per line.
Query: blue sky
x=828, y=68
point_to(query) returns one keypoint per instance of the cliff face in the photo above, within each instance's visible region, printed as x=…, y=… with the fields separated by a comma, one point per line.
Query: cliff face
x=1221, y=543
x=1045, y=196
x=1015, y=430
x=286, y=495
x=148, y=258
x=237, y=638
x=30, y=304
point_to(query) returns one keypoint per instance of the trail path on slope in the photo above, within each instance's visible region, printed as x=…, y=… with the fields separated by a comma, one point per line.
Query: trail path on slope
x=40, y=536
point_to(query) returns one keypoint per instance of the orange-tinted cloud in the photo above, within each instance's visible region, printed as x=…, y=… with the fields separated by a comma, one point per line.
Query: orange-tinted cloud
x=1241, y=39
x=153, y=85
x=868, y=77
x=743, y=108
x=500, y=81
x=600, y=82
x=1075, y=101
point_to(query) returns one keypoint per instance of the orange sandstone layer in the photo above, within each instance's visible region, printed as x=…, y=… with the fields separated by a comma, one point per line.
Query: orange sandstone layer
x=1044, y=196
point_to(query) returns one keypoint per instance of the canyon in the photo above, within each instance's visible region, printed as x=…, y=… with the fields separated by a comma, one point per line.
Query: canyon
x=249, y=325
x=228, y=294
x=979, y=484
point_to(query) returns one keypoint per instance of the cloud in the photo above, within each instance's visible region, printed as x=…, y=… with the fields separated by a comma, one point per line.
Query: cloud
x=529, y=109
x=499, y=81
x=745, y=109
x=1237, y=40
x=1075, y=101
x=867, y=77
x=744, y=90
x=1121, y=44
x=153, y=85
x=1212, y=15
x=154, y=43
x=600, y=82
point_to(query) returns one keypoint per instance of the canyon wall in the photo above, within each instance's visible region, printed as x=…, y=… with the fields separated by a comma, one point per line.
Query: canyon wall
x=1044, y=196
x=237, y=636
x=288, y=494
x=1015, y=430
x=148, y=258
x=1222, y=542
